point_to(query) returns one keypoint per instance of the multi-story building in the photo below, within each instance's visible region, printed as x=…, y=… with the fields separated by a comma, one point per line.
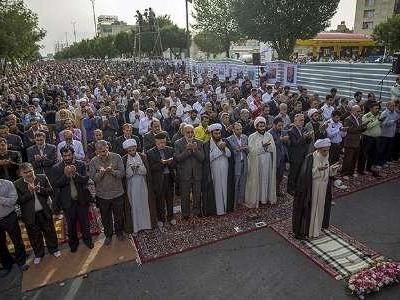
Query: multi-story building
x=370, y=13
x=109, y=25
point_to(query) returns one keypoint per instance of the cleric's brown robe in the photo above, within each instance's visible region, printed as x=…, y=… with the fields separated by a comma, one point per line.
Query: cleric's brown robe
x=128, y=224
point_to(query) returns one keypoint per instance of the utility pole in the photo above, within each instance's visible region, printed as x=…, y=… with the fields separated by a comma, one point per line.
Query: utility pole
x=66, y=38
x=187, y=29
x=73, y=25
x=94, y=19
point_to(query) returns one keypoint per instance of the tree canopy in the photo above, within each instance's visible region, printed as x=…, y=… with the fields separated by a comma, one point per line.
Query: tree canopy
x=217, y=18
x=206, y=43
x=388, y=33
x=19, y=33
x=123, y=43
x=283, y=22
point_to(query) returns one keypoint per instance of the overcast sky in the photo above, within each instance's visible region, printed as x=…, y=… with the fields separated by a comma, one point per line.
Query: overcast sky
x=56, y=16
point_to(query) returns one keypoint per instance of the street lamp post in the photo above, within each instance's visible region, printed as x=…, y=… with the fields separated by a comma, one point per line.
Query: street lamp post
x=94, y=18
x=187, y=29
x=73, y=25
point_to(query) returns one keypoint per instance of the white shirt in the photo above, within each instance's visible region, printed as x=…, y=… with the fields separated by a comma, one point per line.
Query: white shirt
x=78, y=150
x=182, y=111
x=198, y=107
x=327, y=111
x=144, y=125
x=266, y=98
x=134, y=121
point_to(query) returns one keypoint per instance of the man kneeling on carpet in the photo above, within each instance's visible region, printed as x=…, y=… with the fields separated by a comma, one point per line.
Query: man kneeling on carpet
x=313, y=195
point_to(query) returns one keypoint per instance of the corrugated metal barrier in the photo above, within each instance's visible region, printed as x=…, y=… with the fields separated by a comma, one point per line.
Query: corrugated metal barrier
x=346, y=77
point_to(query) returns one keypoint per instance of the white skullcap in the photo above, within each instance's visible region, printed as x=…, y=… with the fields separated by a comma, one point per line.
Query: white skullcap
x=136, y=92
x=259, y=120
x=215, y=126
x=187, y=86
x=35, y=100
x=311, y=112
x=322, y=143
x=129, y=143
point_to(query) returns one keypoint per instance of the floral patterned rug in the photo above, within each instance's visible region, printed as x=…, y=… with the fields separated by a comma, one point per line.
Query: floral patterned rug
x=197, y=232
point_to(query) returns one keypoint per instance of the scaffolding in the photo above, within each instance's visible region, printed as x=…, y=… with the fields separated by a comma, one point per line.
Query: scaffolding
x=152, y=29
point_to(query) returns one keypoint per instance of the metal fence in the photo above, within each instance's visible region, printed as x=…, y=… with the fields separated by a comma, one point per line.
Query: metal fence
x=346, y=77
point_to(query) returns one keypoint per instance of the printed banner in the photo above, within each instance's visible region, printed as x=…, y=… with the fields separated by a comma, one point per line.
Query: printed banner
x=290, y=74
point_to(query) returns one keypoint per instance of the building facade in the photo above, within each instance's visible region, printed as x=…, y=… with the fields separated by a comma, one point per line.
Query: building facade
x=109, y=25
x=370, y=13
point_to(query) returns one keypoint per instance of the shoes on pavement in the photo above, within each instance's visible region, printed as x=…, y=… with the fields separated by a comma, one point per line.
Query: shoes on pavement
x=90, y=245
x=57, y=253
x=23, y=267
x=107, y=241
x=74, y=249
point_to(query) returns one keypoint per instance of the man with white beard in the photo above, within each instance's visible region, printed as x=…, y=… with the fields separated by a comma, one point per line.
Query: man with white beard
x=313, y=194
x=261, y=180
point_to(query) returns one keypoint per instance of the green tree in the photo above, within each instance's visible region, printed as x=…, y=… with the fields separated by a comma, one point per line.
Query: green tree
x=19, y=33
x=388, y=33
x=124, y=42
x=217, y=17
x=174, y=38
x=283, y=22
x=206, y=41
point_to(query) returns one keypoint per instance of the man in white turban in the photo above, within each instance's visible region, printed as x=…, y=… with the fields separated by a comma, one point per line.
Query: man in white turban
x=218, y=180
x=261, y=178
x=313, y=194
x=139, y=209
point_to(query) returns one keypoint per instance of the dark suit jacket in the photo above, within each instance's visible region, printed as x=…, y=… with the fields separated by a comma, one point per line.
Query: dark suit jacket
x=189, y=164
x=16, y=143
x=353, y=137
x=62, y=185
x=149, y=141
x=11, y=171
x=26, y=199
x=117, y=145
x=42, y=166
x=29, y=137
x=298, y=146
x=157, y=168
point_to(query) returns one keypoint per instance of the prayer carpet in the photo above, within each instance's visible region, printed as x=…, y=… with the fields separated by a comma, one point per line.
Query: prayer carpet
x=197, y=232
x=334, y=251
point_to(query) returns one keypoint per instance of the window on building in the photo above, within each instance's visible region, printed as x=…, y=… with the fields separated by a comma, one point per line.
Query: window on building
x=369, y=13
x=368, y=25
x=369, y=3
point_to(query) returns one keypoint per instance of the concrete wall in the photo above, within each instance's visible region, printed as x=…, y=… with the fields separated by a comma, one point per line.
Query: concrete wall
x=382, y=10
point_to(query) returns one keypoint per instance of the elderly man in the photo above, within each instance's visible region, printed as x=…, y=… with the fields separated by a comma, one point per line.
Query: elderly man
x=297, y=150
x=261, y=179
x=149, y=140
x=34, y=192
x=218, y=175
x=107, y=170
x=238, y=144
x=313, y=196
x=189, y=155
x=9, y=224
x=42, y=155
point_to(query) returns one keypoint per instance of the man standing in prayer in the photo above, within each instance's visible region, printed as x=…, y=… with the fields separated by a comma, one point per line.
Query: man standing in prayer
x=261, y=179
x=107, y=170
x=161, y=162
x=142, y=209
x=217, y=183
x=189, y=155
x=238, y=144
x=313, y=195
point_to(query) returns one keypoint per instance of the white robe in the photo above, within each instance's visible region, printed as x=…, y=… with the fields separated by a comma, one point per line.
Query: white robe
x=138, y=194
x=318, y=195
x=219, y=165
x=261, y=178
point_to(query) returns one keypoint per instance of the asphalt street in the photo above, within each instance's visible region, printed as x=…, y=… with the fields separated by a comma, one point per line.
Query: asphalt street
x=259, y=265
